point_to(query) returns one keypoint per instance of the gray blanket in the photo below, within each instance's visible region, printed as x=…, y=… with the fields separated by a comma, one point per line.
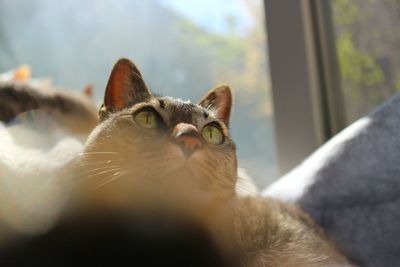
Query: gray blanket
x=351, y=187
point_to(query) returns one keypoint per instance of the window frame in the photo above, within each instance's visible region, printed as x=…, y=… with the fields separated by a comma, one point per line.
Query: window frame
x=305, y=77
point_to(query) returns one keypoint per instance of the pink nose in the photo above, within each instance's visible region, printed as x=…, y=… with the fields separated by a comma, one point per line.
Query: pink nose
x=187, y=136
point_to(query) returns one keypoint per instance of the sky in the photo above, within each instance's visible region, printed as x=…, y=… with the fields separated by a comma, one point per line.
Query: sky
x=212, y=14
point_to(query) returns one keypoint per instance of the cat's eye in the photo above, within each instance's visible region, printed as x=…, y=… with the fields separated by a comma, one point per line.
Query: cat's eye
x=212, y=134
x=147, y=119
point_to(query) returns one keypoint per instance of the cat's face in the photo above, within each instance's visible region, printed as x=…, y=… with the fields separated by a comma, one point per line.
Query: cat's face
x=170, y=141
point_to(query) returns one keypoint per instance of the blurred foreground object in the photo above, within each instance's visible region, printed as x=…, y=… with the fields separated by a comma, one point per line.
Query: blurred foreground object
x=116, y=239
x=150, y=227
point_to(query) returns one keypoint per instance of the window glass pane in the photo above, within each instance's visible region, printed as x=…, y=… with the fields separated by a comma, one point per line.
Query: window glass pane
x=183, y=48
x=368, y=43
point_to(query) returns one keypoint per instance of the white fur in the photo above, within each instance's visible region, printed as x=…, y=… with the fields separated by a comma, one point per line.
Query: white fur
x=31, y=192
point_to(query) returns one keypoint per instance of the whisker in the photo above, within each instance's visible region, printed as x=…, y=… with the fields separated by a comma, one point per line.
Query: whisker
x=105, y=170
x=112, y=178
x=96, y=169
x=97, y=152
x=90, y=163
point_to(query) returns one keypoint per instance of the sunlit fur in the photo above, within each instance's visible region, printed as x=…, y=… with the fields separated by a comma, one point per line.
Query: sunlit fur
x=271, y=233
x=119, y=151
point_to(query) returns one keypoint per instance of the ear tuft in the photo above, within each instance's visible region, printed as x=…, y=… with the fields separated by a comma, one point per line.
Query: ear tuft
x=125, y=87
x=219, y=100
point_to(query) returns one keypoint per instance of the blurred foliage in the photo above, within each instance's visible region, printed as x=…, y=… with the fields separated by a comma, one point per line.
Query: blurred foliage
x=245, y=54
x=345, y=11
x=357, y=68
x=367, y=49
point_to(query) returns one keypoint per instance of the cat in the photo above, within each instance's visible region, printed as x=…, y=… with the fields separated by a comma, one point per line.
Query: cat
x=76, y=113
x=41, y=128
x=147, y=143
x=152, y=151
x=163, y=134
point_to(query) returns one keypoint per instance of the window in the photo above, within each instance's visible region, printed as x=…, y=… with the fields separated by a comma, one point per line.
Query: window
x=332, y=62
x=183, y=48
x=367, y=43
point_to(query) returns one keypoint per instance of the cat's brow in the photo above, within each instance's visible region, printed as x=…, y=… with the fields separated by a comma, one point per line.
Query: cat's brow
x=205, y=114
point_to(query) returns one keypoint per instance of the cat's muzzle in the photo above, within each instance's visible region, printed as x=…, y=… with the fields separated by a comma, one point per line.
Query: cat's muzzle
x=187, y=137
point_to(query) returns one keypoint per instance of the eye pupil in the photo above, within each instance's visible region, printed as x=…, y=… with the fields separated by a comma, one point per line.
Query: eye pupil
x=213, y=134
x=147, y=119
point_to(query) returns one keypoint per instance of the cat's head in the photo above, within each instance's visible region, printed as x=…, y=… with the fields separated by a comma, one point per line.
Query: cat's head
x=143, y=136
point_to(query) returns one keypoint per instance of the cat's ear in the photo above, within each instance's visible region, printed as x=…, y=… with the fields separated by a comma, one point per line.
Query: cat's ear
x=219, y=100
x=125, y=87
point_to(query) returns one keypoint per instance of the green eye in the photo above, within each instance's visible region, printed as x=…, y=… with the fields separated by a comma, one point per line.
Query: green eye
x=212, y=134
x=147, y=119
